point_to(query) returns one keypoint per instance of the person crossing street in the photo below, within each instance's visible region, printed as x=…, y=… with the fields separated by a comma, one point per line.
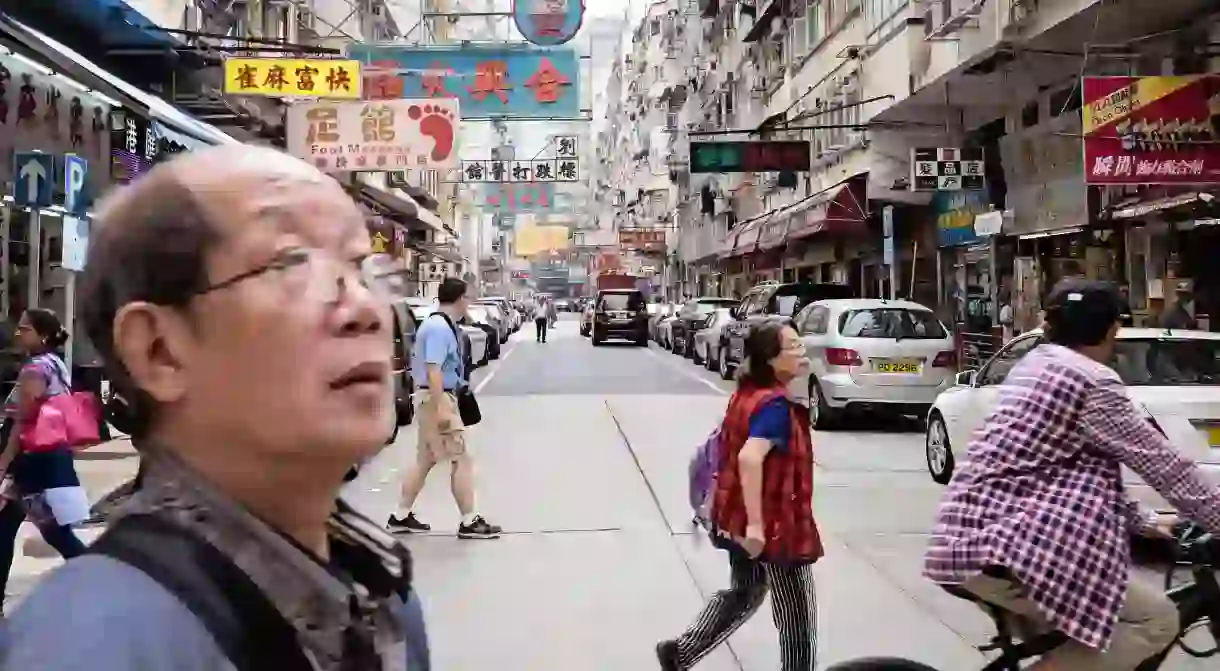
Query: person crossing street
x=542, y=318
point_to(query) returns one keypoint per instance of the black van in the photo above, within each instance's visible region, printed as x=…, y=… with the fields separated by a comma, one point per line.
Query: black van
x=620, y=313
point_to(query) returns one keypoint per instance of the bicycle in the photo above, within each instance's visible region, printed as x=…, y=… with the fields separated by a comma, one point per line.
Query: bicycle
x=1198, y=602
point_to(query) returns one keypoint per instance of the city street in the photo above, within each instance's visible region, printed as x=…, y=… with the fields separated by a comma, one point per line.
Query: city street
x=582, y=458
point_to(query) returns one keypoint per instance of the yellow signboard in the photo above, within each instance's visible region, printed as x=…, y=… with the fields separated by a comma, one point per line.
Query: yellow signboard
x=293, y=78
x=531, y=240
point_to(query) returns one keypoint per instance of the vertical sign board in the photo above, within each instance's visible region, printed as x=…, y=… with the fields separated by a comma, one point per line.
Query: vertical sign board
x=488, y=81
x=76, y=169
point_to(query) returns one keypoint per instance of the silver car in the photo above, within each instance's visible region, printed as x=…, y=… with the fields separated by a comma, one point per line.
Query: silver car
x=872, y=354
x=707, y=339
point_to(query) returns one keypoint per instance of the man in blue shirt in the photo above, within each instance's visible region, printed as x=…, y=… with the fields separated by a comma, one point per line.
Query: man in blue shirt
x=436, y=367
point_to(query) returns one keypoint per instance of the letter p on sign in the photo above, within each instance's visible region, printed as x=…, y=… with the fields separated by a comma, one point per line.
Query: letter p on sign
x=76, y=169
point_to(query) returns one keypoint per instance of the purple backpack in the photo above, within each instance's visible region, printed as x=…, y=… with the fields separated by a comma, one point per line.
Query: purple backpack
x=704, y=469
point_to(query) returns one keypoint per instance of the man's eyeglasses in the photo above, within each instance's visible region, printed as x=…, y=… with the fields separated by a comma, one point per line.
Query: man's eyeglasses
x=323, y=275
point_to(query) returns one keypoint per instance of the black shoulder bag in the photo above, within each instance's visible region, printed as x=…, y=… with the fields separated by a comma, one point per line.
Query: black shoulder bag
x=467, y=404
x=245, y=625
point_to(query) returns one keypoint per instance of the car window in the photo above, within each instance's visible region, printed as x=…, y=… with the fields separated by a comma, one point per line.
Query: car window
x=818, y=320
x=753, y=305
x=997, y=369
x=786, y=306
x=633, y=301
x=1167, y=362
x=897, y=323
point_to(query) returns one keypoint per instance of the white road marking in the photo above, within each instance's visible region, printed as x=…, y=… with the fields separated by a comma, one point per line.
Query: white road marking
x=492, y=373
x=690, y=374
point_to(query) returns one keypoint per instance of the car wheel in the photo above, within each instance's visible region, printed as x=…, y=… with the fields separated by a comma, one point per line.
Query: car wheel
x=937, y=449
x=694, y=356
x=493, y=352
x=726, y=371
x=641, y=341
x=821, y=415
x=597, y=338
x=709, y=362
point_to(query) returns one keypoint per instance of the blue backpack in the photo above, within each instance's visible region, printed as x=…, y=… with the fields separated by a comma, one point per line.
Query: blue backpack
x=704, y=469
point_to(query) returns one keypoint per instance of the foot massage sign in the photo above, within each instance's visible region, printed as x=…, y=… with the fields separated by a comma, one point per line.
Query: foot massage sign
x=375, y=135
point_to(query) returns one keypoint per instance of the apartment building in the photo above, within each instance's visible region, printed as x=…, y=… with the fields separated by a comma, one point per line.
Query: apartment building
x=868, y=82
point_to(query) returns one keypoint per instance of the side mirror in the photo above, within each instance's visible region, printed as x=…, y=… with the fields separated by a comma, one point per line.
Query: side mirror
x=965, y=378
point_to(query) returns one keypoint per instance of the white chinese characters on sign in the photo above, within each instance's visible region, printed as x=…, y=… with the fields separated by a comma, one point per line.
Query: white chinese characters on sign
x=375, y=135
x=1125, y=165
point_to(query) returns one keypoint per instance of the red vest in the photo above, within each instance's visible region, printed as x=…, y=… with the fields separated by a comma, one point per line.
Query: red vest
x=787, y=486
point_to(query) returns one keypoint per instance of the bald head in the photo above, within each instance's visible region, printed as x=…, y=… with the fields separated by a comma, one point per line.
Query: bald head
x=151, y=240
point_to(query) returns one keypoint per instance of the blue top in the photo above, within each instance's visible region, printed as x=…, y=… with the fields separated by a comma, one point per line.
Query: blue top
x=436, y=344
x=772, y=421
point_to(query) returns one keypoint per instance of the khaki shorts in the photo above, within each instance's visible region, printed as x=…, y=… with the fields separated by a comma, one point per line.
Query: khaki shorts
x=441, y=432
x=1147, y=624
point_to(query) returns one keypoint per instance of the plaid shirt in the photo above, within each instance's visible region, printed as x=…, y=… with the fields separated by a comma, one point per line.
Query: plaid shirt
x=1042, y=493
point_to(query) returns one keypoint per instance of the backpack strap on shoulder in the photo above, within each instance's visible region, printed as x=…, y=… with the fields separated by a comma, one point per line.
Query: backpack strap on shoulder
x=245, y=625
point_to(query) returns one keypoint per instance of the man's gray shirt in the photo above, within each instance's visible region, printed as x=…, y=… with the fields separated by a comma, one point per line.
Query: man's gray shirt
x=100, y=614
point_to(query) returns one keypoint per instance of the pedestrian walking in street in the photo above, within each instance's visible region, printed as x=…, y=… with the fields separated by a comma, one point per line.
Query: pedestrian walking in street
x=234, y=297
x=436, y=365
x=542, y=318
x=761, y=509
x=40, y=482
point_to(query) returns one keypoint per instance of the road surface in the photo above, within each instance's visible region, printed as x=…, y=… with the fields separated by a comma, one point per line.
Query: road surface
x=582, y=458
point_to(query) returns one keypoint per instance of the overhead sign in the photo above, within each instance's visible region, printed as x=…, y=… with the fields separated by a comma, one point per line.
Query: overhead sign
x=76, y=168
x=378, y=135
x=488, y=80
x=134, y=145
x=548, y=22
x=947, y=169
x=642, y=240
x=34, y=179
x=1151, y=130
x=526, y=197
x=723, y=157
x=293, y=78
x=565, y=167
x=531, y=240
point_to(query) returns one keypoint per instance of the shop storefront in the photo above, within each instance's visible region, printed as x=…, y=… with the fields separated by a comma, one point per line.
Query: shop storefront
x=971, y=271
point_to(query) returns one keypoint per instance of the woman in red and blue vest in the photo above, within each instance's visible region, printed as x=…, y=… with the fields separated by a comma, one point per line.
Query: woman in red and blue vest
x=763, y=509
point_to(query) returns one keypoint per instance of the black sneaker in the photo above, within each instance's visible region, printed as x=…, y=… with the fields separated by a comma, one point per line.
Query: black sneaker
x=406, y=525
x=479, y=528
x=667, y=655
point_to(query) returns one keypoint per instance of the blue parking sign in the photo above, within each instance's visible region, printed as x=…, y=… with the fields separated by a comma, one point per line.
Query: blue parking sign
x=76, y=168
x=33, y=179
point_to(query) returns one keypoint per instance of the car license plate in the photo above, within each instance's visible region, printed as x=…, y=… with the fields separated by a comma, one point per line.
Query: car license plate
x=895, y=366
x=1213, y=436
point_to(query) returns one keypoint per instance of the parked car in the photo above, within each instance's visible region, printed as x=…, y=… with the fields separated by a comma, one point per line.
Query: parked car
x=690, y=318
x=657, y=312
x=665, y=331
x=505, y=307
x=480, y=317
x=766, y=302
x=1172, y=376
x=474, y=341
x=871, y=354
x=620, y=313
x=586, y=320
x=708, y=338
x=503, y=321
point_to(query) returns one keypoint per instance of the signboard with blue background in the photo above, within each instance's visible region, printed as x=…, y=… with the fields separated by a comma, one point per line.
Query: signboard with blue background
x=955, y=212
x=512, y=81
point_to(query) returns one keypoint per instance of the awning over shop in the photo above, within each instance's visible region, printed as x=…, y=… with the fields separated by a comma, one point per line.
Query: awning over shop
x=839, y=208
x=77, y=66
x=1136, y=209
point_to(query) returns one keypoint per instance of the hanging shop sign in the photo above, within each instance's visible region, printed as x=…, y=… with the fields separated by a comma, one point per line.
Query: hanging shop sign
x=548, y=23
x=351, y=136
x=955, y=212
x=645, y=241
x=488, y=80
x=947, y=169
x=531, y=240
x=565, y=167
x=293, y=78
x=725, y=157
x=41, y=111
x=1151, y=130
x=508, y=198
x=133, y=145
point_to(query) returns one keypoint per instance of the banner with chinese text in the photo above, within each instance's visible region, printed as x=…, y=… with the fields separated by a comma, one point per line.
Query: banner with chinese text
x=1151, y=130
x=488, y=80
x=376, y=135
x=292, y=78
x=512, y=198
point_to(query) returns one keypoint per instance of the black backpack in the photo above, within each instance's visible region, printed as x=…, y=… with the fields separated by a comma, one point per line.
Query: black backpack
x=245, y=625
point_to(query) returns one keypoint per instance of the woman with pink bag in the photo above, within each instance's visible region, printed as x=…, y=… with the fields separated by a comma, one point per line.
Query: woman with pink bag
x=40, y=481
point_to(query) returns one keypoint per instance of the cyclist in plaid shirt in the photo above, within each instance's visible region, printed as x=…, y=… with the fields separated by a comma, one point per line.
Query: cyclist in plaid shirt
x=1037, y=522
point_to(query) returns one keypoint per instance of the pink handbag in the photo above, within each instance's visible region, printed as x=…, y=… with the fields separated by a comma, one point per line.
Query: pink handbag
x=71, y=419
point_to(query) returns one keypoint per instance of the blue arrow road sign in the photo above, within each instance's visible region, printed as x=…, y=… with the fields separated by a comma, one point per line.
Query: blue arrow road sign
x=33, y=179
x=75, y=170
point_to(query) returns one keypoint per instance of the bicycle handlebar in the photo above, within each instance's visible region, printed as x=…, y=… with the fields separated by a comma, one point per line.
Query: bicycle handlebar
x=1195, y=544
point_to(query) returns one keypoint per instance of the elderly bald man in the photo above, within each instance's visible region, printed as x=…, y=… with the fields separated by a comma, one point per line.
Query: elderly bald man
x=236, y=302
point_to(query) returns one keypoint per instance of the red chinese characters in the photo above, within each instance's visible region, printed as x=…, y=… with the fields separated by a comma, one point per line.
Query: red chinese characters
x=491, y=78
x=547, y=83
x=433, y=82
x=382, y=81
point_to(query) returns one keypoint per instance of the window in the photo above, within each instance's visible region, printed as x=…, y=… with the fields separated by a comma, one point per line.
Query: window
x=816, y=320
x=625, y=301
x=753, y=304
x=814, y=27
x=997, y=369
x=1167, y=362
x=896, y=323
x=877, y=13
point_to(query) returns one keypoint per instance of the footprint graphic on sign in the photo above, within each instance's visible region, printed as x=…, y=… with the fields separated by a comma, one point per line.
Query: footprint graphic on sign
x=437, y=123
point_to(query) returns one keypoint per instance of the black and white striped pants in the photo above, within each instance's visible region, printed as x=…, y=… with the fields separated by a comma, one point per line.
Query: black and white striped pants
x=794, y=607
